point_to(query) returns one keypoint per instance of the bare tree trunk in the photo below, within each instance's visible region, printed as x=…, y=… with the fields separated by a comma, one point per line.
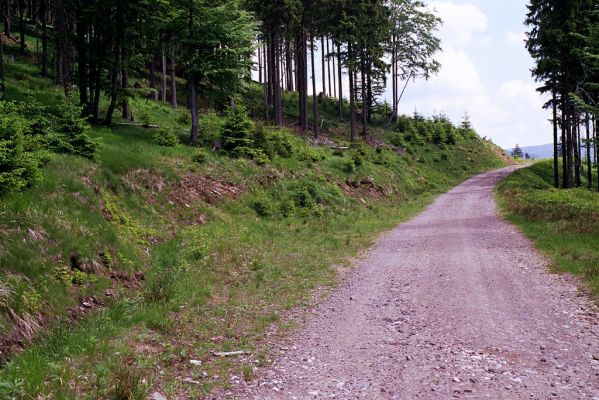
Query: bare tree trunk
x=301, y=74
x=565, y=182
x=7, y=18
x=588, y=148
x=153, y=77
x=195, y=126
x=314, y=96
x=289, y=64
x=63, y=41
x=44, y=18
x=340, y=73
x=352, y=101
x=2, y=84
x=324, y=78
x=333, y=58
x=329, y=67
x=174, y=102
x=277, y=95
x=127, y=114
x=22, y=26
x=117, y=63
x=259, y=65
x=163, y=85
x=576, y=141
x=555, y=152
x=364, y=99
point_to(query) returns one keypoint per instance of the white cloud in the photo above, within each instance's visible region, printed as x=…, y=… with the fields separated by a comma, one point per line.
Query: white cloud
x=508, y=112
x=515, y=37
x=461, y=22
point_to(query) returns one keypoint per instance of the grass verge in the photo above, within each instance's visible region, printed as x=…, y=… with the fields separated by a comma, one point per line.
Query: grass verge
x=564, y=224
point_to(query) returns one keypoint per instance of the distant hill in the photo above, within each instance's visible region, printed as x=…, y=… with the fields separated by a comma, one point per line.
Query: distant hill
x=537, y=152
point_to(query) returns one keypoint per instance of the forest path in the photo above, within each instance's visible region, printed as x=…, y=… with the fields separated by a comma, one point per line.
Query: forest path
x=453, y=304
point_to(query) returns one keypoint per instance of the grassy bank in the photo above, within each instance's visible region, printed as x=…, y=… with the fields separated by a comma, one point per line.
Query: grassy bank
x=117, y=272
x=564, y=224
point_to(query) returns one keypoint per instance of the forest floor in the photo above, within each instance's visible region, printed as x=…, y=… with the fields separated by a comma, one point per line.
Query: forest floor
x=455, y=303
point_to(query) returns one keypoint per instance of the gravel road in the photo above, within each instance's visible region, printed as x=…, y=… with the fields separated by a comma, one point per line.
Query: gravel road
x=453, y=304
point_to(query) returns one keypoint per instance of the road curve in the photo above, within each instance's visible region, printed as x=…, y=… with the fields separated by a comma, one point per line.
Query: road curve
x=455, y=303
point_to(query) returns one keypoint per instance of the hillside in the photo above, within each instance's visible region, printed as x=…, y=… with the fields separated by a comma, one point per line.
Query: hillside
x=122, y=273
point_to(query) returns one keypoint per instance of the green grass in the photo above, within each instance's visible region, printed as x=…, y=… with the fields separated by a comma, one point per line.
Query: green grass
x=564, y=224
x=197, y=272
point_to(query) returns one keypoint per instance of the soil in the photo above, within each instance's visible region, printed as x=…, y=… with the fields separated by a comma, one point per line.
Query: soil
x=453, y=304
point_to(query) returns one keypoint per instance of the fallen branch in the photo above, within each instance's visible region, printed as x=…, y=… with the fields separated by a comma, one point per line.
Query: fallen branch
x=230, y=353
x=138, y=124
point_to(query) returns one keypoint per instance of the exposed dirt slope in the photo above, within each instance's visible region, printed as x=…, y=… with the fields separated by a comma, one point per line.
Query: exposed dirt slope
x=455, y=303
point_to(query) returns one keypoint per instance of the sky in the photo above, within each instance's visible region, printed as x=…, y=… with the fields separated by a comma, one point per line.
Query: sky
x=486, y=72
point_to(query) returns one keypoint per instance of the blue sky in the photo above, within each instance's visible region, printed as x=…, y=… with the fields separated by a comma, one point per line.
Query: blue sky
x=486, y=71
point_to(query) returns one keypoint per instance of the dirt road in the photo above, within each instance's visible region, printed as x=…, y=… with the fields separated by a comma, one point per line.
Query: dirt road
x=453, y=304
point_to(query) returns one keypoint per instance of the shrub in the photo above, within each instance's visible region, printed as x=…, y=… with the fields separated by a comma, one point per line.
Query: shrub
x=70, y=135
x=349, y=166
x=212, y=127
x=273, y=142
x=200, y=156
x=251, y=153
x=166, y=137
x=263, y=206
x=20, y=154
x=237, y=129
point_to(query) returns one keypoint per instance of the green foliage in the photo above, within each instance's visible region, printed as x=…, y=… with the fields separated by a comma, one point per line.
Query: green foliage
x=70, y=135
x=237, y=130
x=20, y=153
x=200, y=156
x=563, y=223
x=166, y=137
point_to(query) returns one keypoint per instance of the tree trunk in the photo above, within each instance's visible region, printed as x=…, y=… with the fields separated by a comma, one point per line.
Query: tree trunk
x=63, y=42
x=576, y=141
x=364, y=99
x=2, y=84
x=289, y=64
x=153, y=77
x=334, y=70
x=301, y=77
x=329, y=67
x=81, y=57
x=174, y=102
x=324, y=78
x=7, y=18
x=314, y=96
x=116, y=64
x=22, y=26
x=193, y=139
x=352, y=97
x=163, y=85
x=555, y=152
x=44, y=17
x=588, y=149
x=277, y=95
x=340, y=74
x=127, y=114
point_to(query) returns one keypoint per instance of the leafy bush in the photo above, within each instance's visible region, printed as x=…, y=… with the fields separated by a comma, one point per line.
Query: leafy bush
x=211, y=126
x=263, y=206
x=273, y=142
x=200, y=156
x=20, y=154
x=237, y=130
x=70, y=135
x=349, y=166
x=166, y=137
